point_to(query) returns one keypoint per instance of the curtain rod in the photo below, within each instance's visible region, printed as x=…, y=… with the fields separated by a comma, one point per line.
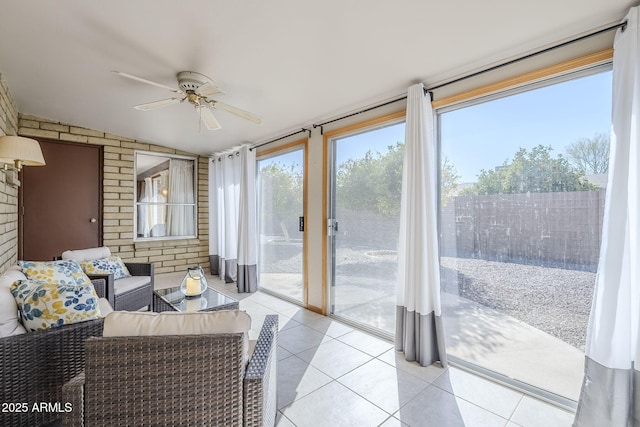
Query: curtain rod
x=320, y=125
x=622, y=25
x=282, y=137
x=430, y=90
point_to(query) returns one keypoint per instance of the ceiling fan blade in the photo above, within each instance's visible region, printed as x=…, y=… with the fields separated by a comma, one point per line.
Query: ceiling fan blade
x=238, y=112
x=158, y=104
x=208, y=89
x=149, y=82
x=207, y=117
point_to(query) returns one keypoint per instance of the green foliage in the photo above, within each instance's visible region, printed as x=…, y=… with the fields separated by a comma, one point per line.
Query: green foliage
x=281, y=187
x=374, y=182
x=590, y=155
x=534, y=171
x=449, y=179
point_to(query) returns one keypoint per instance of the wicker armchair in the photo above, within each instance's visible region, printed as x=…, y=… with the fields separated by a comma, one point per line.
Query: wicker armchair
x=131, y=293
x=194, y=380
x=35, y=365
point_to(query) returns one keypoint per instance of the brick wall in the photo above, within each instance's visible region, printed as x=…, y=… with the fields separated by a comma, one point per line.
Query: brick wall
x=8, y=195
x=118, y=176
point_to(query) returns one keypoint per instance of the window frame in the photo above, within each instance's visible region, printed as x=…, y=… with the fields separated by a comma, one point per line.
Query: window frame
x=598, y=62
x=136, y=203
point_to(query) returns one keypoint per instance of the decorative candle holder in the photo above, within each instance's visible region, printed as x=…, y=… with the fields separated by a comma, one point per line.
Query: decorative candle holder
x=194, y=282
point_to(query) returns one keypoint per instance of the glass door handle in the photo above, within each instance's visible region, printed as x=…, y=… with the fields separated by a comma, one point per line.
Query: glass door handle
x=332, y=227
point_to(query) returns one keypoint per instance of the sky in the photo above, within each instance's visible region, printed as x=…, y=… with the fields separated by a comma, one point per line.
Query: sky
x=485, y=135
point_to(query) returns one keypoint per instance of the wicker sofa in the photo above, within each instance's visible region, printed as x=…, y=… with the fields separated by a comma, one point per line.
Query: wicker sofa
x=194, y=380
x=35, y=365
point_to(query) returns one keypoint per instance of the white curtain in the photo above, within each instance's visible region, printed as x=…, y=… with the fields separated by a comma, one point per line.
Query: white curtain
x=232, y=218
x=180, y=211
x=419, y=330
x=144, y=212
x=247, y=224
x=610, y=393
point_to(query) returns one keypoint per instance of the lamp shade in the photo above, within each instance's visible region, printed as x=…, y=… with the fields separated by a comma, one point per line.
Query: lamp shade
x=21, y=151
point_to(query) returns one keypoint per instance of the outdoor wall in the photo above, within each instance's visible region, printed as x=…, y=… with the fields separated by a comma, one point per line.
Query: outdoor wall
x=561, y=227
x=118, y=176
x=8, y=195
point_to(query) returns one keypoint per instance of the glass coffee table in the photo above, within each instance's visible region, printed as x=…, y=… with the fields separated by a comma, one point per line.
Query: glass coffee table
x=172, y=299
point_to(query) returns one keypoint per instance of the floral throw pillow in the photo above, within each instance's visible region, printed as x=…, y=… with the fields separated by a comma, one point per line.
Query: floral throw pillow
x=64, y=272
x=112, y=265
x=44, y=305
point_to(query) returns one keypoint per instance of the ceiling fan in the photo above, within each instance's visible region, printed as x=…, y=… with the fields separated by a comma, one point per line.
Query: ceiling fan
x=197, y=89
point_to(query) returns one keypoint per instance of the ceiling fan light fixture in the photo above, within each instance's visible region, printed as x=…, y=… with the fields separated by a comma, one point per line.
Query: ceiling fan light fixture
x=195, y=88
x=192, y=81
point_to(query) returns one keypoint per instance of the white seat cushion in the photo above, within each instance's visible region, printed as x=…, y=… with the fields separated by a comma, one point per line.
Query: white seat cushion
x=87, y=254
x=144, y=323
x=129, y=283
x=9, y=319
x=104, y=306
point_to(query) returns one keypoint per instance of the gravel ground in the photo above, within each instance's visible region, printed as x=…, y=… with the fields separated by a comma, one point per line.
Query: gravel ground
x=554, y=300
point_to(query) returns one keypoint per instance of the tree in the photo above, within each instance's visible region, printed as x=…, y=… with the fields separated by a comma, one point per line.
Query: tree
x=534, y=171
x=374, y=181
x=449, y=180
x=280, y=187
x=590, y=155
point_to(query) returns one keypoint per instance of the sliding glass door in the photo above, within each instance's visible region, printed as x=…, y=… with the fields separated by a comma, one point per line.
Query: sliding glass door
x=281, y=223
x=523, y=179
x=366, y=181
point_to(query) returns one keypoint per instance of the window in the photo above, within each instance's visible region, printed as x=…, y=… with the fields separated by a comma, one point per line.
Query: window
x=281, y=195
x=364, y=209
x=522, y=184
x=165, y=191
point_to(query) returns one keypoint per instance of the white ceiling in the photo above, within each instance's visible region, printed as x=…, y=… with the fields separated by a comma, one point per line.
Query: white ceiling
x=292, y=62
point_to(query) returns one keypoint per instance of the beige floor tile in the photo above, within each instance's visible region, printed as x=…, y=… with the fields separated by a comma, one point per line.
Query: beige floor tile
x=329, y=327
x=494, y=397
x=334, y=405
x=282, y=421
x=303, y=316
x=383, y=385
x=334, y=358
x=535, y=413
x=300, y=338
x=273, y=303
x=436, y=407
x=424, y=373
x=283, y=354
x=296, y=379
x=364, y=342
x=393, y=422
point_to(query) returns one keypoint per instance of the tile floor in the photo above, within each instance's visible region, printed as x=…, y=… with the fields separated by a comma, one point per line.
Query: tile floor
x=330, y=374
